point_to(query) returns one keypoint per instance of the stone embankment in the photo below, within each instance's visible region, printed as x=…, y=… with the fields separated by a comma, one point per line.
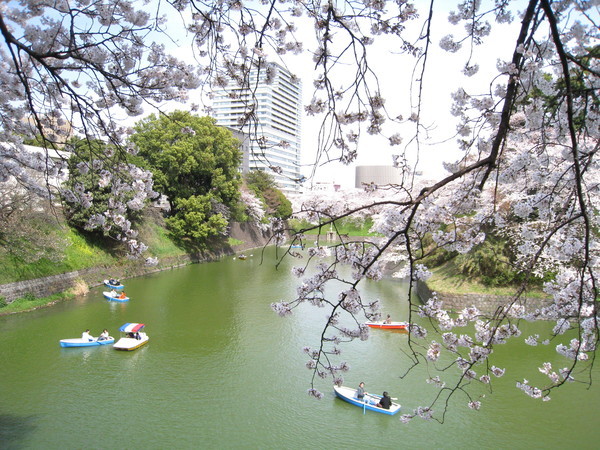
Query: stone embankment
x=250, y=236
x=487, y=304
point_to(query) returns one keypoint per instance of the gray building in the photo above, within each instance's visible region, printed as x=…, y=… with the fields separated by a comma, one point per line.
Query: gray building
x=274, y=99
x=378, y=175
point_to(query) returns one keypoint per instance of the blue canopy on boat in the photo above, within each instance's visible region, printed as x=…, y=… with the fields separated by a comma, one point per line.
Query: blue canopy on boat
x=131, y=327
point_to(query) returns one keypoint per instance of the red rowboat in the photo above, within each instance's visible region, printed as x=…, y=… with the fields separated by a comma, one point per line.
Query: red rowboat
x=388, y=326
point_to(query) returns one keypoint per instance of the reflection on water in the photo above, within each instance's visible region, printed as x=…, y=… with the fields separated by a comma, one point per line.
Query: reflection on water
x=14, y=429
x=221, y=370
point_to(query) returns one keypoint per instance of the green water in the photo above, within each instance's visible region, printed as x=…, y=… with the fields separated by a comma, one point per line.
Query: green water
x=221, y=370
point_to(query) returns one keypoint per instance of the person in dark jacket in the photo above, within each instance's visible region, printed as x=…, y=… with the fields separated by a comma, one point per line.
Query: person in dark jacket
x=385, y=401
x=360, y=392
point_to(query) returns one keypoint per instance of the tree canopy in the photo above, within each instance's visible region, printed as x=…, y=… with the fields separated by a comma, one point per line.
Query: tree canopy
x=196, y=165
x=523, y=160
x=264, y=186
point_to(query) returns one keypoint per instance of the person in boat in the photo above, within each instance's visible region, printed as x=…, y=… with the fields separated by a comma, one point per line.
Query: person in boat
x=360, y=392
x=86, y=336
x=122, y=295
x=113, y=293
x=388, y=320
x=114, y=282
x=104, y=335
x=385, y=402
x=137, y=335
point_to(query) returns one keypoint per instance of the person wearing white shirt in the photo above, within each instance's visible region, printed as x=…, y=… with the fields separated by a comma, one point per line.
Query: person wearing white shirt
x=86, y=336
x=104, y=336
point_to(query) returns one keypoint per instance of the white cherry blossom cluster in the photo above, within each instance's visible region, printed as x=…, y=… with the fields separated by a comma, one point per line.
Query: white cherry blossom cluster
x=130, y=189
x=254, y=208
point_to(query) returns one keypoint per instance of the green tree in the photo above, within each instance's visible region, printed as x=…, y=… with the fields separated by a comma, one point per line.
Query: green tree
x=263, y=185
x=195, y=164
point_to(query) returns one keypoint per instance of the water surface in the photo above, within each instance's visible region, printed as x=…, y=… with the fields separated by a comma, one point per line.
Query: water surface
x=221, y=370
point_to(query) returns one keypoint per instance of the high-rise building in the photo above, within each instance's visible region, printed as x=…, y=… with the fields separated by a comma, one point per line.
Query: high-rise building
x=273, y=98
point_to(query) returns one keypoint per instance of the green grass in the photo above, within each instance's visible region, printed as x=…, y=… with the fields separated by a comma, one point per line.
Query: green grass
x=343, y=226
x=79, y=254
x=232, y=242
x=156, y=237
x=29, y=302
x=84, y=251
x=446, y=279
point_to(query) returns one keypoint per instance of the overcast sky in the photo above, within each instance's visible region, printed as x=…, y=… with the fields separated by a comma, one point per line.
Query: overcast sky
x=444, y=76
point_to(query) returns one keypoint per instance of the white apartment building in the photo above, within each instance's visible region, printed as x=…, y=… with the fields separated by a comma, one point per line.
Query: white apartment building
x=273, y=137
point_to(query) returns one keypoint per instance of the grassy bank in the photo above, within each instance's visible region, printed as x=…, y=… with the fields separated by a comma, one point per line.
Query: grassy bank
x=80, y=252
x=348, y=227
x=29, y=303
x=447, y=279
x=83, y=251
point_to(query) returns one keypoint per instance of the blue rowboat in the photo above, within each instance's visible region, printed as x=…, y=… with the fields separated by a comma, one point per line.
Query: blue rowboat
x=115, y=296
x=78, y=342
x=114, y=284
x=370, y=400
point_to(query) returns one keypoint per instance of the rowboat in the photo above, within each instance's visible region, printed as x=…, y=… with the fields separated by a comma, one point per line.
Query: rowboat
x=370, y=400
x=78, y=342
x=116, y=297
x=388, y=326
x=131, y=337
x=114, y=284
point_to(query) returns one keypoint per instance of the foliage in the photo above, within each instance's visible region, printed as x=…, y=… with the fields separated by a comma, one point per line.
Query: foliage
x=195, y=219
x=263, y=185
x=75, y=252
x=195, y=164
x=80, y=251
x=155, y=234
x=234, y=242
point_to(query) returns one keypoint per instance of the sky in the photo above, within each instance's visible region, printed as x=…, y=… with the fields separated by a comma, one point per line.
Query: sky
x=395, y=73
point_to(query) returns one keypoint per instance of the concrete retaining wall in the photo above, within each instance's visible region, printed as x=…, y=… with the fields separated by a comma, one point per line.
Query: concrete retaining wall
x=487, y=304
x=44, y=287
x=40, y=287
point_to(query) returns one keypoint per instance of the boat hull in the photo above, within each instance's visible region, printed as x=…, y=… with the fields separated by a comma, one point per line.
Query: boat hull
x=78, y=342
x=129, y=344
x=388, y=326
x=116, y=287
x=114, y=299
x=349, y=395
